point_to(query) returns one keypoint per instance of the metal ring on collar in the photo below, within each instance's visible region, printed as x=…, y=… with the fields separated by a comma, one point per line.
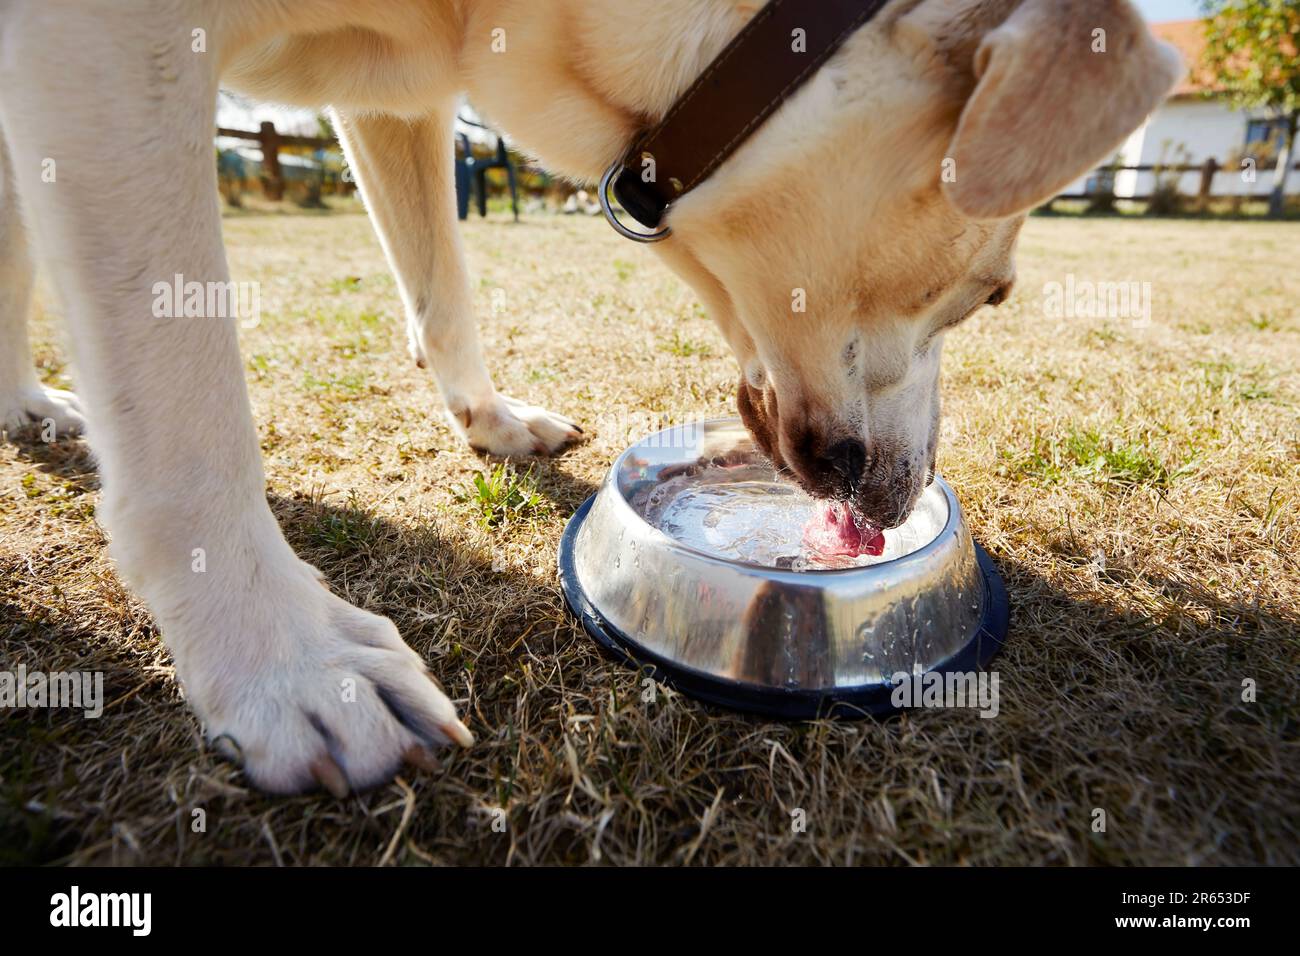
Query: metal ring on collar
x=611, y=217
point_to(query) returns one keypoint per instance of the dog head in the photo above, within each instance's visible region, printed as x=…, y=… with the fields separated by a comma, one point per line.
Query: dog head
x=880, y=207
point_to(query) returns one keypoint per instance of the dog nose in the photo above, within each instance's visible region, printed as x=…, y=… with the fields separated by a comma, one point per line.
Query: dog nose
x=888, y=490
x=849, y=460
x=890, y=512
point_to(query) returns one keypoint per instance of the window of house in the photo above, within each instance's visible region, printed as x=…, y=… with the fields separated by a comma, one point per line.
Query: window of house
x=1101, y=182
x=1264, y=137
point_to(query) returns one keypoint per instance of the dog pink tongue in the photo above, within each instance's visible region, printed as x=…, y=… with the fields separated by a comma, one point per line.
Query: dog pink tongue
x=834, y=532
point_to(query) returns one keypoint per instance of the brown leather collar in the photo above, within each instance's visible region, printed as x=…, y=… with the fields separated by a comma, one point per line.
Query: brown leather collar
x=776, y=52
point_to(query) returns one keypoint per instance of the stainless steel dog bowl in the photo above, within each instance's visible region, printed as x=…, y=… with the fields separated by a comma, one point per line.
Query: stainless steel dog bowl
x=747, y=630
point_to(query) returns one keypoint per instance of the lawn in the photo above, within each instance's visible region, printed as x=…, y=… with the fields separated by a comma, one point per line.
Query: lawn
x=1136, y=483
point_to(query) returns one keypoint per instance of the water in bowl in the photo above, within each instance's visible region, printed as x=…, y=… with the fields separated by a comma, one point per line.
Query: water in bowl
x=747, y=514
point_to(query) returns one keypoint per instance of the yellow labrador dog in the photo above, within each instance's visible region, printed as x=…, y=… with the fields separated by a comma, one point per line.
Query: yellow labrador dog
x=934, y=128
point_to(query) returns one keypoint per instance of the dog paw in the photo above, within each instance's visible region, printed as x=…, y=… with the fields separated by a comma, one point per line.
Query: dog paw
x=510, y=428
x=303, y=690
x=41, y=406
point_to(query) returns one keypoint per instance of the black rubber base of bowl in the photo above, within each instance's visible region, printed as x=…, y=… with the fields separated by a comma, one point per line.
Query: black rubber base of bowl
x=848, y=702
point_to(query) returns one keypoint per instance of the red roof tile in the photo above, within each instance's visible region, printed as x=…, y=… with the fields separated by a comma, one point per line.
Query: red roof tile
x=1189, y=37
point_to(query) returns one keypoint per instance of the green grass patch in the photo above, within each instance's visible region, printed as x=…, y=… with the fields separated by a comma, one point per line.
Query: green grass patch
x=345, y=284
x=1089, y=455
x=358, y=344
x=347, y=319
x=344, y=530
x=1265, y=322
x=683, y=347
x=502, y=496
x=1231, y=383
x=346, y=386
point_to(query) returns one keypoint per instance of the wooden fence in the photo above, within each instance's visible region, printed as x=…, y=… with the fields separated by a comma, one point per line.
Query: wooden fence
x=270, y=140
x=1205, y=191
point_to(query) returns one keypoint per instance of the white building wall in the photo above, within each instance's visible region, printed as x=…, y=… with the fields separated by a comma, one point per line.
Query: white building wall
x=1204, y=128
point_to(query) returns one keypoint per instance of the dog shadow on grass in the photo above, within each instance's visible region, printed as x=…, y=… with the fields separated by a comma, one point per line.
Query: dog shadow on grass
x=566, y=492
x=1157, y=637
x=1131, y=696
x=72, y=460
x=1183, y=635
x=67, y=459
x=440, y=573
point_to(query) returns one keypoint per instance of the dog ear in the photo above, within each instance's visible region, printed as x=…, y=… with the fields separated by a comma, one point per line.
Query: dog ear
x=1059, y=85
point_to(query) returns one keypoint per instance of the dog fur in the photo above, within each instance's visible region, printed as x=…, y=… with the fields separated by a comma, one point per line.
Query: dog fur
x=888, y=191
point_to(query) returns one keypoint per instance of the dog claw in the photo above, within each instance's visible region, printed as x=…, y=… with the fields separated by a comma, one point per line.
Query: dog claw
x=458, y=733
x=420, y=758
x=508, y=428
x=330, y=776
x=227, y=747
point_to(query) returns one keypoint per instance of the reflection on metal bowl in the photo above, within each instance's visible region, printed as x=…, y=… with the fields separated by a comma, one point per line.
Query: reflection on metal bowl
x=688, y=562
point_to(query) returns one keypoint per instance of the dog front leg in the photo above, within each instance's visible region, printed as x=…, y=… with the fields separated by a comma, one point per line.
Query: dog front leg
x=23, y=399
x=404, y=169
x=298, y=684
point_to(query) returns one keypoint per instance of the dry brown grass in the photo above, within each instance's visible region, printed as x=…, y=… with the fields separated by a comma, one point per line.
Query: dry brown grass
x=1137, y=487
